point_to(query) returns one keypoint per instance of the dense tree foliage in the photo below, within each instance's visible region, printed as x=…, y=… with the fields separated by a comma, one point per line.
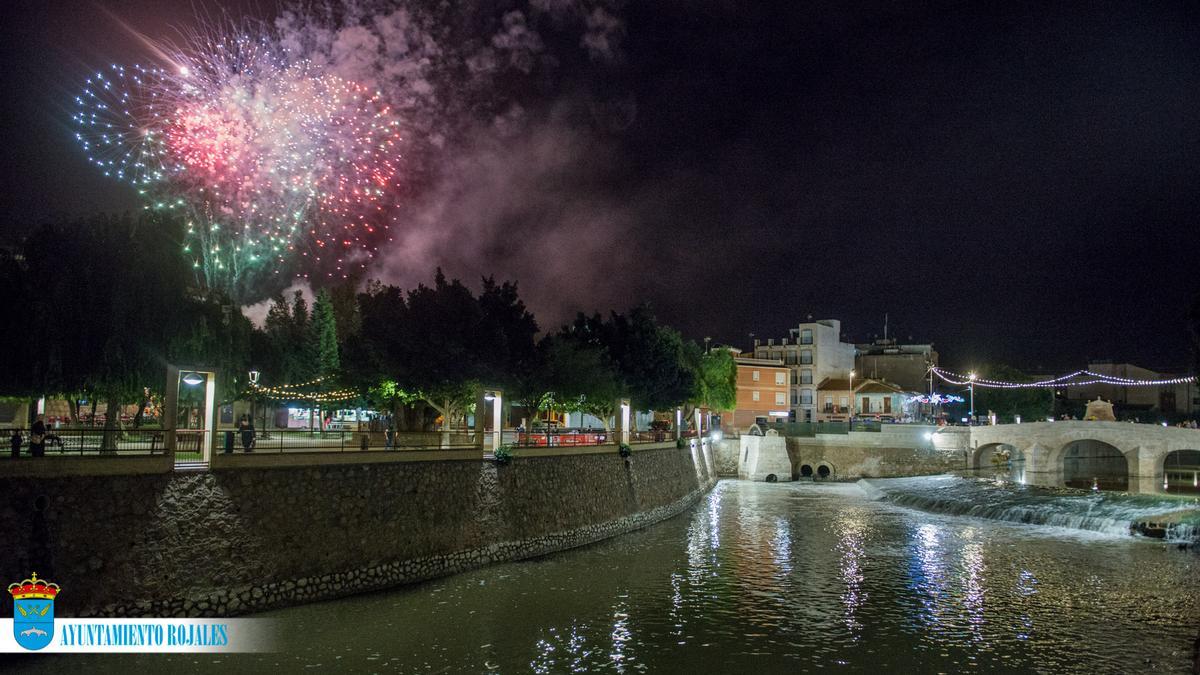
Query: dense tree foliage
x=1031, y=404
x=101, y=307
x=442, y=342
x=98, y=309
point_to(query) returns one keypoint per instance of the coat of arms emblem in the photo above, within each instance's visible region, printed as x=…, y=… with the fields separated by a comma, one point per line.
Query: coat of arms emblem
x=33, y=611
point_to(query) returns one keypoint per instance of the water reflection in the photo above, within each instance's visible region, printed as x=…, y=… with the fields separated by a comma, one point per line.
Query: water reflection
x=765, y=578
x=973, y=590
x=851, y=549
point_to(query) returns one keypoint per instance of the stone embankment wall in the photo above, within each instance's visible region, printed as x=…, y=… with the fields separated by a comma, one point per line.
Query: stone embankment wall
x=899, y=450
x=229, y=542
x=896, y=450
x=727, y=453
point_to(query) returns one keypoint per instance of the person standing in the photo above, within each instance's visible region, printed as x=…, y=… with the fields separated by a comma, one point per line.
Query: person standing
x=247, y=429
x=16, y=443
x=37, y=438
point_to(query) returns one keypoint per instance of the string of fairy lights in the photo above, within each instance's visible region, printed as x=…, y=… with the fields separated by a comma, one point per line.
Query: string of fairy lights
x=1078, y=378
x=294, y=392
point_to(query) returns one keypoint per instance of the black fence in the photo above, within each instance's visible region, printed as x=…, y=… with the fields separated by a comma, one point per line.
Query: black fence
x=88, y=441
x=569, y=438
x=343, y=440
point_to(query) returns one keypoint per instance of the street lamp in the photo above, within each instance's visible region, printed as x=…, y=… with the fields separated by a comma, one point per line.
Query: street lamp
x=851, y=395
x=971, y=415
x=254, y=375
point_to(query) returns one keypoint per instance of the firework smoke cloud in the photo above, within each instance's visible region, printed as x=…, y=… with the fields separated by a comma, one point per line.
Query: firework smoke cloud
x=313, y=144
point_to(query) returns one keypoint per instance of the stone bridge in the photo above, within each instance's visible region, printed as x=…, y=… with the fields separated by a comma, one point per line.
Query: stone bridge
x=1110, y=455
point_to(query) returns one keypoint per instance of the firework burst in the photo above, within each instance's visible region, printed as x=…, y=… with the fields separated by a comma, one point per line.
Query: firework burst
x=271, y=160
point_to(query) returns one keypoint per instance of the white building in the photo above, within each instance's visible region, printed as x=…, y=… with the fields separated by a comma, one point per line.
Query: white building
x=813, y=352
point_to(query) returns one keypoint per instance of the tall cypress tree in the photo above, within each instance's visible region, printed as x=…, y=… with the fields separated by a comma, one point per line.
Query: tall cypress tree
x=323, y=332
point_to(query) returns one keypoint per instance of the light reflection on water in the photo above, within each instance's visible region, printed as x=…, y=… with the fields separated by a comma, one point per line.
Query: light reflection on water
x=767, y=578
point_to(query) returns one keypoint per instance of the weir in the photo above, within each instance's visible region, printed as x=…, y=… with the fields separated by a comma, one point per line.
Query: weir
x=1110, y=513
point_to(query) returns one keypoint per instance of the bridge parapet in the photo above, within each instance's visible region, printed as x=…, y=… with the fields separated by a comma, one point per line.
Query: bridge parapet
x=1043, y=444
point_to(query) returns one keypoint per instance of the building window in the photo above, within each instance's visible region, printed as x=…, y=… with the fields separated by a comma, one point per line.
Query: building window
x=780, y=398
x=806, y=356
x=806, y=376
x=828, y=404
x=806, y=396
x=795, y=377
x=806, y=336
x=795, y=397
x=780, y=378
x=754, y=394
x=843, y=401
x=754, y=376
x=791, y=358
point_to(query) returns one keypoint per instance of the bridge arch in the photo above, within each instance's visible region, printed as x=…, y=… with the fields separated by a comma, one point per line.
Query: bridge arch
x=1181, y=471
x=990, y=454
x=999, y=458
x=1088, y=463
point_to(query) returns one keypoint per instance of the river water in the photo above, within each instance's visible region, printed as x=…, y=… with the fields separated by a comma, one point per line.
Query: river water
x=764, y=578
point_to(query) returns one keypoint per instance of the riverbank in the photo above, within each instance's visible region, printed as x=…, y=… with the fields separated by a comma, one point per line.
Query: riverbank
x=243, y=540
x=760, y=578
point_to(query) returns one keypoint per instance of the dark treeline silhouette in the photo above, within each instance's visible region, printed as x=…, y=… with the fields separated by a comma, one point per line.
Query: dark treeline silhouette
x=98, y=309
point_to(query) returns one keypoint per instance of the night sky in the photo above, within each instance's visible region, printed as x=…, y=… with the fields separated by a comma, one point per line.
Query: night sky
x=1015, y=183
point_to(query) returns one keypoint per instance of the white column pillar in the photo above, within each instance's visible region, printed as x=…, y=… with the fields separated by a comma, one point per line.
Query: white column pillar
x=621, y=434
x=497, y=418
x=480, y=417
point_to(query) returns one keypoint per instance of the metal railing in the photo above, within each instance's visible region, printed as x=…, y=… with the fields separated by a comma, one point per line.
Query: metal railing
x=190, y=443
x=341, y=440
x=556, y=438
x=90, y=441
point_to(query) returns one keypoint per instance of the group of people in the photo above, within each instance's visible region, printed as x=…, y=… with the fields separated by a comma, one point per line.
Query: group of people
x=37, y=439
x=1188, y=424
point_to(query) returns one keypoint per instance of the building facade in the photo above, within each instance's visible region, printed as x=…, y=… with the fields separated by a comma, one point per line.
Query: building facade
x=812, y=352
x=1181, y=398
x=762, y=391
x=872, y=398
x=906, y=366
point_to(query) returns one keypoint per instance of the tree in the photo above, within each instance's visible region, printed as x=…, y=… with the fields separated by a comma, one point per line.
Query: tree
x=649, y=358
x=323, y=335
x=1029, y=403
x=441, y=342
x=573, y=376
x=115, y=304
x=715, y=378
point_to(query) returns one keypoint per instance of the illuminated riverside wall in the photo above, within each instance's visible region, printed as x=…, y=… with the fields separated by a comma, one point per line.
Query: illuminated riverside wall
x=256, y=536
x=896, y=450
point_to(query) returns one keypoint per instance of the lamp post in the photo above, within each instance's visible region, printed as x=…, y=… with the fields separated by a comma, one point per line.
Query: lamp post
x=254, y=395
x=851, y=396
x=971, y=414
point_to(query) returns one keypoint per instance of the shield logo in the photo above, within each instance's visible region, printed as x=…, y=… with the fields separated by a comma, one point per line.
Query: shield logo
x=33, y=622
x=33, y=611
